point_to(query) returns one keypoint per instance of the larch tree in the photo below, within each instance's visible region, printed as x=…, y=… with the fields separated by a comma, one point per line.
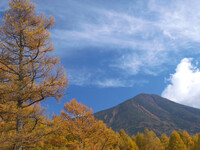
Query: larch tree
x=126, y=143
x=151, y=141
x=82, y=131
x=36, y=127
x=187, y=139
x=164, y=140
x=29, y=73
x=140, y=140
x=175, y=142
x=196, y=139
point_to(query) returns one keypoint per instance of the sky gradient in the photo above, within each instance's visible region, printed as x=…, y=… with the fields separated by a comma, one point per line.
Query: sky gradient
x=113, y=50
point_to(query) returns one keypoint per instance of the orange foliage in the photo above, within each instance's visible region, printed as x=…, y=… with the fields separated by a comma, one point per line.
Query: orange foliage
x=29, y=74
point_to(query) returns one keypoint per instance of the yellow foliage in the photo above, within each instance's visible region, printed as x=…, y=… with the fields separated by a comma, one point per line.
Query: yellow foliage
x=175, y=142
x=196, y=140
x=35, y=126
x=187, y=139
x=80, y=130
x=126, y=143
x=29, y=73
x=164, y=141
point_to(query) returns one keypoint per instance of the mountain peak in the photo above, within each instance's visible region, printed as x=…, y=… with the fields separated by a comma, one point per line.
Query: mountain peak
x=153, y=112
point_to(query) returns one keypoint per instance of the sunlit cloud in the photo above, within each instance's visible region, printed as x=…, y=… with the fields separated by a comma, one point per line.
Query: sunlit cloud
x=184, y=84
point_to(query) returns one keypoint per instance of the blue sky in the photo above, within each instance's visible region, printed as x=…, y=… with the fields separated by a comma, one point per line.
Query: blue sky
x=113, y=50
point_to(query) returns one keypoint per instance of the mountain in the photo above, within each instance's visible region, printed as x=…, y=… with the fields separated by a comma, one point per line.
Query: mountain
x=153, y=112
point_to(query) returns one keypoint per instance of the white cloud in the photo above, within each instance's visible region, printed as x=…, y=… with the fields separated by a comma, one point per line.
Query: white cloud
x=117, y=29
x=120, y=31
x=154, y=39
x=184, y=84
x=179, y=19
x=79, y=77
x=115, y=83
x=84, y=78
x=144, y=40
x=150, y=63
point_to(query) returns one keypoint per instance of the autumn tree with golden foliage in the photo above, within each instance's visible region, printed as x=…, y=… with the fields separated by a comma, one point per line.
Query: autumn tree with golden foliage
x=36, y=126
x=187, y=139
x=80, y=130
x=196, y=140
x=85, y=131
x=164, y=140
x=140, y=140
x=148, y=141
x=28, y=72
x=175, y=142
x=126, y=143
x=151, y=141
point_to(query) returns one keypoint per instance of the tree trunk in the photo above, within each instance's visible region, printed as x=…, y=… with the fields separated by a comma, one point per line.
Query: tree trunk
x=20, y=126
x=20, y=102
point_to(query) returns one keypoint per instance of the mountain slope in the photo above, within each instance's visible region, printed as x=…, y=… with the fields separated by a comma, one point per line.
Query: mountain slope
x=153, y=112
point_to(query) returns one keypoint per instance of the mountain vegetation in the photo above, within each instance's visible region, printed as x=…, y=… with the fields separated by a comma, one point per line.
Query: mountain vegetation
x=30, y=74
x=153, y=112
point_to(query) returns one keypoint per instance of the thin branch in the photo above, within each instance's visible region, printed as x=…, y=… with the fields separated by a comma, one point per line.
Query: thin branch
x=36, y=101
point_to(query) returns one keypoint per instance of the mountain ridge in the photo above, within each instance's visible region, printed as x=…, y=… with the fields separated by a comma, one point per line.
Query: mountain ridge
x=153, y=112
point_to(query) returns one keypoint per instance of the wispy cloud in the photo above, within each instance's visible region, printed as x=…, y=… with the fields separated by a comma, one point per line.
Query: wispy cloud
x=179, y=19
x=145, y=42
x=153, y=38
x=119, y=83
x=120, y=31
x=79, y=78
x=113, y=83
x=112, y=28
x=147, y=63
x=145, y=35
x=184, y=84
x=84, y=78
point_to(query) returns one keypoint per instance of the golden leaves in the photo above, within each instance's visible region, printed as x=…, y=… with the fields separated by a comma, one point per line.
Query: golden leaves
x=33, y=74
x=82, y=130
x=29, y=74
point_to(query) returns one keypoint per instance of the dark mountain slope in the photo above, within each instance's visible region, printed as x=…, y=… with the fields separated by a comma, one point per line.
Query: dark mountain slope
x=153, y=112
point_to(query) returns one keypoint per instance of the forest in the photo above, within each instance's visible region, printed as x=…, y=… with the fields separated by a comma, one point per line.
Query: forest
x=30, y=74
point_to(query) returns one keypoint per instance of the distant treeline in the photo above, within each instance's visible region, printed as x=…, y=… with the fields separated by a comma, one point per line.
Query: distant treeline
x=149, y=141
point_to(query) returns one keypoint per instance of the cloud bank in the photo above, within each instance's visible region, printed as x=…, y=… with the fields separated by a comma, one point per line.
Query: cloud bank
x=184, y=84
